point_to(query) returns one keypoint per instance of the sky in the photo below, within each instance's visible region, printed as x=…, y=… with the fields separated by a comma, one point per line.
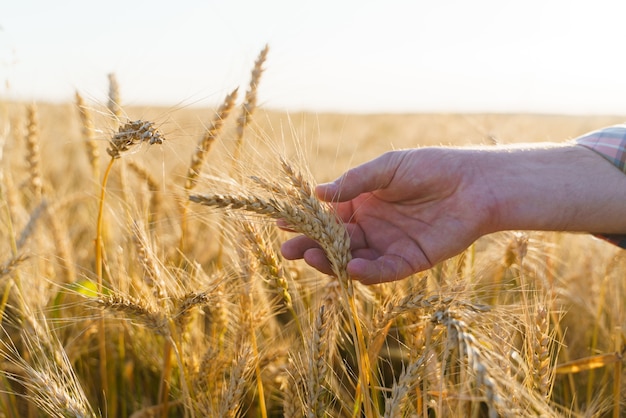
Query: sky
x=538, y=56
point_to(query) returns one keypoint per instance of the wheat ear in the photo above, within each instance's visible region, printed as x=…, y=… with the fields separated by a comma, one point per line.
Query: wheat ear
x=407, y=381
x=318, y=367
x=199, y=156
x=209, y=136
x=290, y=388
x=33, y=155
x=247, y=109
x=542, y=371
x=114, y=103
x=88, y=131
x=184, y=306
x=12, y=264
x=460, y=335
x=503, y=394
x=137, y=310
x=241, y=367
x=250, y=103
x=131, y=134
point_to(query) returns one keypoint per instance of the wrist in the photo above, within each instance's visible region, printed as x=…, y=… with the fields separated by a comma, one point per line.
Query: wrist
x=561, y=187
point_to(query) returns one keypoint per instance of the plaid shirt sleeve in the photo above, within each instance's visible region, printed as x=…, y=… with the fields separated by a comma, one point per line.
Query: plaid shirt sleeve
x=610, y=143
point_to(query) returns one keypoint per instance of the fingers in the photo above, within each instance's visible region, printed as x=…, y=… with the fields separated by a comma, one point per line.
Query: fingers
x=368, y=177
x=383, y=269
x=316, y=258
x=367, y=270
x=307, y=249
x=295, y=248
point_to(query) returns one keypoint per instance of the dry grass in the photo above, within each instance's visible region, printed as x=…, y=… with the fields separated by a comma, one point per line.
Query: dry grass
x=520, y=324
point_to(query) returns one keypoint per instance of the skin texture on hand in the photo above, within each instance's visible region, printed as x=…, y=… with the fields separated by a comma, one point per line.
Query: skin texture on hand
x=408, y=210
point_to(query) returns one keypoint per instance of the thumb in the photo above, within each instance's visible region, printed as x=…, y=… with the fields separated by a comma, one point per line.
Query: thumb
x=368, y=177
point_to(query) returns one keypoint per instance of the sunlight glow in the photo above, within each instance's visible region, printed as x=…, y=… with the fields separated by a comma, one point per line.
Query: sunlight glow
x=350, y=56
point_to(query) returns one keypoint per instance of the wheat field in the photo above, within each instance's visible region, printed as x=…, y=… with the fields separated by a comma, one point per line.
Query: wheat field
x=141, y=275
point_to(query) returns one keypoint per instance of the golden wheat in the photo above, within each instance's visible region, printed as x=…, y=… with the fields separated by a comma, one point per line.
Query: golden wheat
x=88, y=131
x=33, y=157
x=138, y=310
x=255, y=335
x=318, y=367
x=114, y=104
x=131, y=134
x=210, y=134
x=250, y=102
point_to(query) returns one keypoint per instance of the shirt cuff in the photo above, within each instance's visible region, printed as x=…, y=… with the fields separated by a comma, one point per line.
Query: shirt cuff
x=610, y=143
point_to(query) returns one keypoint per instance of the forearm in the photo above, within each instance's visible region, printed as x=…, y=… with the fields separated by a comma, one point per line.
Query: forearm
x=559, y=187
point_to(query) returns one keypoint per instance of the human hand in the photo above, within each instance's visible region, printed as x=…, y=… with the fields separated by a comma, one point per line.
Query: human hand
x=405, y=211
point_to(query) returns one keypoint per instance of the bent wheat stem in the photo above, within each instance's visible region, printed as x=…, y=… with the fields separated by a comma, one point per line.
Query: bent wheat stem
x=99, y=224
x=101, y=331
x=128, y=135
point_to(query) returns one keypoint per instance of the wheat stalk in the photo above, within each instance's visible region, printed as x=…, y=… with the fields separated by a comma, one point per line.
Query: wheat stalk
x=128, y=136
